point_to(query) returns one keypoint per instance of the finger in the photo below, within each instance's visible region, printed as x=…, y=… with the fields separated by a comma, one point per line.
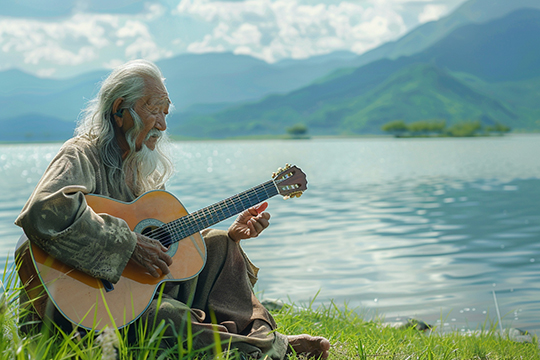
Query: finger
x=158, y=245
x=251, y=226
x=152, y=270
x=165, y=257
x=262, y=218
x=246, y=215
x=257, y=226
x=163, y=267
x=260, y=208
x=265, y=215
x=152, y=242
x=263, y=222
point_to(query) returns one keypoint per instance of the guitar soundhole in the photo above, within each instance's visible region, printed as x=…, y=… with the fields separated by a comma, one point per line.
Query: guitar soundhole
x=159, y=234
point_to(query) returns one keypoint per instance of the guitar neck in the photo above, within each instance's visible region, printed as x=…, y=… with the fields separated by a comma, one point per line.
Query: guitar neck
x=213, y=214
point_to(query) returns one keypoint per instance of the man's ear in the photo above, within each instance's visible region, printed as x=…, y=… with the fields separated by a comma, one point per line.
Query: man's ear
x=116, y=106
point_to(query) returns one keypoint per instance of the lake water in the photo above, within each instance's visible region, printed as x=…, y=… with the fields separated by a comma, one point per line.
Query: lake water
x=424, y=228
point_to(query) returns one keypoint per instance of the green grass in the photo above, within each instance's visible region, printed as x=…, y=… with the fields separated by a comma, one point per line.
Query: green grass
x=351, y=336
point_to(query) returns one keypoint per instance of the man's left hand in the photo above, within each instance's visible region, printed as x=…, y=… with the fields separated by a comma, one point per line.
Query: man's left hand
x=250, y=223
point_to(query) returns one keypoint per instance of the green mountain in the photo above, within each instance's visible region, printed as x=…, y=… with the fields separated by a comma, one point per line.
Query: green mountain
x=465, y=76
x=422, y=92
x=416, y=92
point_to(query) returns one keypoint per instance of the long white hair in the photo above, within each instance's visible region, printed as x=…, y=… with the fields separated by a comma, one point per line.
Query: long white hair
x=142, y=170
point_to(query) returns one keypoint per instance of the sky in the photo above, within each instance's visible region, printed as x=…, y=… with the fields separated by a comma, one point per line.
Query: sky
x=62, y=38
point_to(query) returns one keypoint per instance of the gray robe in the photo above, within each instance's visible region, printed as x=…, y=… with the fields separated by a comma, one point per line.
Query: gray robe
x=58, y=220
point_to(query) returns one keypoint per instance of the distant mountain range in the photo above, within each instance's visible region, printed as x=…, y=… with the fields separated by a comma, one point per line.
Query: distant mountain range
x=480, y=62
x=197, y=84
x=467, y=75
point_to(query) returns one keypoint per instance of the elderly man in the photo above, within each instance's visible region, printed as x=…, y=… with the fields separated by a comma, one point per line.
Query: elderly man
x=117, y=152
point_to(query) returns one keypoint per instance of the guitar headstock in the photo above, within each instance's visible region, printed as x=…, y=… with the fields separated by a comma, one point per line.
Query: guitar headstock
x=290, y=181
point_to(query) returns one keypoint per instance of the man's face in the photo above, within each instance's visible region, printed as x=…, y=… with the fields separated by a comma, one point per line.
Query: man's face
x=152, y=109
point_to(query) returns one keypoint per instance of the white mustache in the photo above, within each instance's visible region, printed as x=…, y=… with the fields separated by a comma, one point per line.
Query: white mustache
x=154, y=132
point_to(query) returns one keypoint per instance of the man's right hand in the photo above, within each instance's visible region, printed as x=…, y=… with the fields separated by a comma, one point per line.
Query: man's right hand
x=151, y=255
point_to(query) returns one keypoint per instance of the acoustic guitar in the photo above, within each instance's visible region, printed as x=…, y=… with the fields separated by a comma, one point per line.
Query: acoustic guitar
x=93, y=303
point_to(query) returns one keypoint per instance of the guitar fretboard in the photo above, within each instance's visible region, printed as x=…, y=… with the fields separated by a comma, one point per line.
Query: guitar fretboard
x=190, y=224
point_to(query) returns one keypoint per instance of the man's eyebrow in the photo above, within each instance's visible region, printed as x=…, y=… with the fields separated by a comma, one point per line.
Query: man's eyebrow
x=158, y=102
x=165, y=101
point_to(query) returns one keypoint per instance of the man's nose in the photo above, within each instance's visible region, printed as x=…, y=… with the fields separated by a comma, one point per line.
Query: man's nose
x=161, y=123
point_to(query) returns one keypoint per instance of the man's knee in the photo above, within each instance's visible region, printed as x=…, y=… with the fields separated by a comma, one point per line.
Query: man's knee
x=217, y=240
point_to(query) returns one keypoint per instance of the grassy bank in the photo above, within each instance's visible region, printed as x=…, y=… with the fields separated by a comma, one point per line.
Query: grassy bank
x=352, y=337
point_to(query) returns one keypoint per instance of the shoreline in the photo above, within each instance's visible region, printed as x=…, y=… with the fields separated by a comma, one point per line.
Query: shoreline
x=176, y=138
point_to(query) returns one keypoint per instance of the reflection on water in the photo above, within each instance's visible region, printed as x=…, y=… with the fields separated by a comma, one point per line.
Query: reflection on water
x=411, y=227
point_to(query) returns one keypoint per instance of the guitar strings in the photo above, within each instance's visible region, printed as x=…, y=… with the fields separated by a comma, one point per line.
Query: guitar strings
x=163, y=234
x=192, y=223
x=227, y=208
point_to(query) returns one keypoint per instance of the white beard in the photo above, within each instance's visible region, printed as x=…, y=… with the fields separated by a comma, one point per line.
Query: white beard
x=147, y=169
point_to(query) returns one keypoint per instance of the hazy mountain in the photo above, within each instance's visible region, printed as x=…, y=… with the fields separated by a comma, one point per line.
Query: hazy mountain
x=211, y=78
x=470, y=12
x=226, y=78
x=23, y=94
x=418, y=87
x=35, y=127
x=506, y=49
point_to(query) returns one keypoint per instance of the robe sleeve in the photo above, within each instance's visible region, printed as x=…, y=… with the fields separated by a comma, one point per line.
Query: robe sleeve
x=58, y=219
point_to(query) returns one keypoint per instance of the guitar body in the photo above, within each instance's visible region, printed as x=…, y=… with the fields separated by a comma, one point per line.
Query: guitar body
x=94, y=304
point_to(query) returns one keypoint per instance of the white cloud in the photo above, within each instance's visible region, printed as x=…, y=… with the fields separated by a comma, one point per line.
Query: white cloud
x=432, y=12
x=154, y=12
x=246, y=34
x=59, y=56
x=285, y=28
x=111, y=64
x=267, y=29
x=45, y=41
x=145, y=48
x=133, y=28
x=79, y=39
x=200, y=47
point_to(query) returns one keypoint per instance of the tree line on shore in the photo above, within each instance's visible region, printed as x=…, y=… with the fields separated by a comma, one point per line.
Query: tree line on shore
x=438, y=128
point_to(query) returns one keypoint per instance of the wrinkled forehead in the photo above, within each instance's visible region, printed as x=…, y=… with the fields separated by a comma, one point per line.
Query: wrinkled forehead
x=156, y=94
